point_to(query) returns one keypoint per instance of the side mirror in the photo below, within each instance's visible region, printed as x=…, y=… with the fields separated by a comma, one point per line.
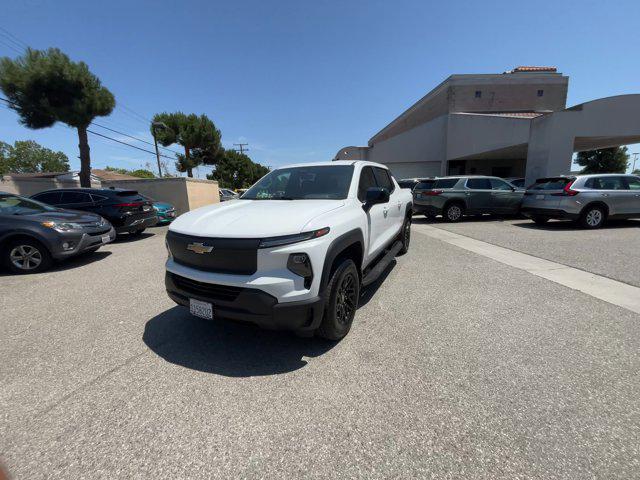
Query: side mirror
x=374, y=196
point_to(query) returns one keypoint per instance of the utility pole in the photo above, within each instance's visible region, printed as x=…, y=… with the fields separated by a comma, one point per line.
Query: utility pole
x=154, y=126
x=241, y=146
x=635, y=157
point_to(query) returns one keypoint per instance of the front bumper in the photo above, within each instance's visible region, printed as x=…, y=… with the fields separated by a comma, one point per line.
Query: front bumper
x=549, y=213
x=248, y=304
x=79, y=242
x=166, y=216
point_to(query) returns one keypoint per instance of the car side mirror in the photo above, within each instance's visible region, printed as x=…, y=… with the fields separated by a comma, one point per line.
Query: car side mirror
x=374, y=196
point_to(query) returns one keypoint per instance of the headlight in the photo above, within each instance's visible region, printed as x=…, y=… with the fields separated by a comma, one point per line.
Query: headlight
x=62, y=226
x=288, y=239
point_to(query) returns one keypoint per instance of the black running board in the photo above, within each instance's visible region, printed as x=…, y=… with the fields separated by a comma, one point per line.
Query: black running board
x=384, y=262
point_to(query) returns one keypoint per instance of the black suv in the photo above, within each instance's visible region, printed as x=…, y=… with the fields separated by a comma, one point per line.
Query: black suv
x=127, y=210
x=33, y=234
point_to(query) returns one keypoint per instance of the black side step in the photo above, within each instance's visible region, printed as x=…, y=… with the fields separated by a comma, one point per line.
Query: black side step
x=384, y=262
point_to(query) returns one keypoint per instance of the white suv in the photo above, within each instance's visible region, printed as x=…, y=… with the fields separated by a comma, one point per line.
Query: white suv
x=293, y=252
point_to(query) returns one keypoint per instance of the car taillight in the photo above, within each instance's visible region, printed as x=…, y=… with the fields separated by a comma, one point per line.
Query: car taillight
x=433, y=192
x=133, y=204
x=567, y=191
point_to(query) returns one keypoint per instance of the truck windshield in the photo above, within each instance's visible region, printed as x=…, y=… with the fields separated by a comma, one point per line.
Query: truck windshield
x=303, y=183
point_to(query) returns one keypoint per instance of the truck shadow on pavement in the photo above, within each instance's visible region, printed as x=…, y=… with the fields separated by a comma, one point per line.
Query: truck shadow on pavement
x=235, y=349
x=227, y=348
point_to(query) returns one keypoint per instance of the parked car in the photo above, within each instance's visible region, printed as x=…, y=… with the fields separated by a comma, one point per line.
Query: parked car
x=127, y=210
x=454, y=197
x=516, y=181
x=294, y=250
x=408, y=183
x=165, y=212
x=227, y=194
x=33, y=234
x=588, y=199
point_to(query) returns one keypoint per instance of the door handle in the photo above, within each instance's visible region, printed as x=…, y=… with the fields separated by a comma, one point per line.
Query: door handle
x=605, y=194
x=467, y=194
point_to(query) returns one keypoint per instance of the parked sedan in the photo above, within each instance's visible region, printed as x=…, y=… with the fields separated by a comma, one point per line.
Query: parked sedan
x=127, y=210
x=165, y=212
x=588, y=199
x=33, y=234
x=454, y=197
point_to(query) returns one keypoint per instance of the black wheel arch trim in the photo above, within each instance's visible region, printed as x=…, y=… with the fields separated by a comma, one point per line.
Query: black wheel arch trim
x=337, y=246
x=595, y=203
x=23, y=233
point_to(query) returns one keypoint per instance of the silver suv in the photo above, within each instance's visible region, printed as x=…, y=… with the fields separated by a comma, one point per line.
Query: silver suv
x=453, y=197
x=588, y=199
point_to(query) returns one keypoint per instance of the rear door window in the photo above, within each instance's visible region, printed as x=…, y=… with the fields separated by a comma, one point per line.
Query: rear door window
x=606, y=183
x=425, y=185
x=446, y=183
x=367, y=180
x=479, y=184
x=69, y=198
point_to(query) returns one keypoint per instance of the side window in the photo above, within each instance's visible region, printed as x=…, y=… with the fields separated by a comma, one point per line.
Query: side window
x=367, y=180
x=479, y=184
x=98, y=198
x=383, y=179
x=499, y=184
x=51, y=198
x=75, y=197
x=609, y=183
x=446, y=183
x=633, y=183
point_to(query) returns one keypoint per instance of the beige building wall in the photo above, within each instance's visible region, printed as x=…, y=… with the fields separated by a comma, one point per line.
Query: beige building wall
x=30, y=186
x=201, y=192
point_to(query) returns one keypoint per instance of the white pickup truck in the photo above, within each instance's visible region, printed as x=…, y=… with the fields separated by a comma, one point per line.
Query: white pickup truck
x=294, y=251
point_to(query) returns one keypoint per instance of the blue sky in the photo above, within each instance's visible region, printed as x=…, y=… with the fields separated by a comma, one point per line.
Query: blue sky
x=297, y=80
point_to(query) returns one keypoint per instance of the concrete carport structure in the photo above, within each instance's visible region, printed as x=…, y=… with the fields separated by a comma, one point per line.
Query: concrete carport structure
x=513, y=124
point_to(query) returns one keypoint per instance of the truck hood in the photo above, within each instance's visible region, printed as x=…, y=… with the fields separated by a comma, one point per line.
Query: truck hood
x=252, y=218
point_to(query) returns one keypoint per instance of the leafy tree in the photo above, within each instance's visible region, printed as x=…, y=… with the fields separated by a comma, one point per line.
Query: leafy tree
x=46, y=87
x=140, y=172
x=237, y=170
x=30, y=157
x=605, y=160
x=198, y=136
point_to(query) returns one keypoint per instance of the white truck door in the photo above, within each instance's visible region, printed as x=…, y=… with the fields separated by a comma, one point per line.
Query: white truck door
x=377, y=216
x=395, y=215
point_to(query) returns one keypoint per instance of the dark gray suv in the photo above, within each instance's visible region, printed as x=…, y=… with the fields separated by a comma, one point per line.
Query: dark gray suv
x=33, y=234
x=454, y=197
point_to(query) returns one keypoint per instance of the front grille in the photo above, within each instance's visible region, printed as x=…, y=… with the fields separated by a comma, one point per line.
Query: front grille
x=226, y=255
x=224, y=293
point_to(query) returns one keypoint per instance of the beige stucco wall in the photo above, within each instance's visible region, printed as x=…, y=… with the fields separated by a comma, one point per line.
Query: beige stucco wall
x=183, y=193
x=30, y=186
x=202, y=192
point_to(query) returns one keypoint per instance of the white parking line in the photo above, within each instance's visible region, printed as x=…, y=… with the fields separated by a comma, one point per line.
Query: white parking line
x=612, y=291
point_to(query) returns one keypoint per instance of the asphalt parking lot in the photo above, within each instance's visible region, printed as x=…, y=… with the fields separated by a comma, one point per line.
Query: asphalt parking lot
x=457, y=366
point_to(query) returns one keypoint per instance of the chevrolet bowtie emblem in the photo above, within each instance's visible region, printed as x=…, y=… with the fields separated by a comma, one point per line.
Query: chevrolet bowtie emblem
x=199, y=248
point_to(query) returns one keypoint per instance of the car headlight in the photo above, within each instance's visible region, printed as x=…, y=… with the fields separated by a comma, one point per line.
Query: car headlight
x=288, y=239
x=62, y=226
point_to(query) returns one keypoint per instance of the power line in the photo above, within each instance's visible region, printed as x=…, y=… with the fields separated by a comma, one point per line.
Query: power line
x=132, y=137
x=16, y=40
x=128, y=144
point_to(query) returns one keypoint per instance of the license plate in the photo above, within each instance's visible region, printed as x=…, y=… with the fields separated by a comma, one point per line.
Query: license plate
x=106, y=238
x=539, y=197
x=146, y=208
x=201, y=309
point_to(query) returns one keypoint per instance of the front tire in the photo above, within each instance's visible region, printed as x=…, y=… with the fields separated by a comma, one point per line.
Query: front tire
x=405, y=236
x=540, y=220
x=341, y=301
x=453, y=212
x=593, y=217
x=138, y=232
x=27, y=255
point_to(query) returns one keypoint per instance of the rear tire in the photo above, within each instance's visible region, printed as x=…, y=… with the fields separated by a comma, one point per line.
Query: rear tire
x=25, y=256
x=341, y=301
x=453, y=212
x=405, y=236
x=540, y=220
x=138, y=232
x=593, y=217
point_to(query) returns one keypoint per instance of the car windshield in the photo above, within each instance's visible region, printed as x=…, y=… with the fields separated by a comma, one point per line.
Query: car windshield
x=303, y=183
x=14, y=205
